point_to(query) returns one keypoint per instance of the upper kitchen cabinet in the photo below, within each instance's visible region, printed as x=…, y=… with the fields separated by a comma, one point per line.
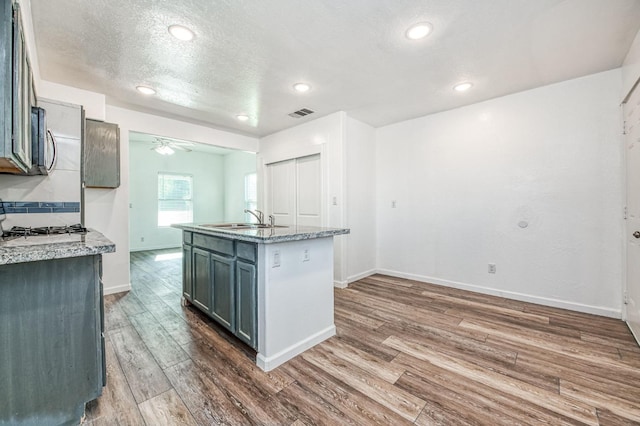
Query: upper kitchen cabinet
x=16, y=92
x=101, y=155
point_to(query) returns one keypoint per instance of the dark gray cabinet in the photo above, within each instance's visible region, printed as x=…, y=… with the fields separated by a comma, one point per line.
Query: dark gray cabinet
x=51, y=335
x=16, y=92
x=101, y=155
x=219, y=277
x=201, y=279
x=246, y=302
x=223, y=290
x=187, y=279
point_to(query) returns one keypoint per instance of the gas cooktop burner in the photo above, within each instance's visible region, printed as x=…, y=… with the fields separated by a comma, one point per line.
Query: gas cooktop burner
x=19, y=231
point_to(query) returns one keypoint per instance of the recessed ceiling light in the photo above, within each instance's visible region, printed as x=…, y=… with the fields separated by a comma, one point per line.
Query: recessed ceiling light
x=461, y=87
x=301, y=87
x=242, y=117
x=146, y=90
x=181, y=33
x=418, y=31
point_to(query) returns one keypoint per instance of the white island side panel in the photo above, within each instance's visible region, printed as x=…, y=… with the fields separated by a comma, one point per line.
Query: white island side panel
x=295, y=299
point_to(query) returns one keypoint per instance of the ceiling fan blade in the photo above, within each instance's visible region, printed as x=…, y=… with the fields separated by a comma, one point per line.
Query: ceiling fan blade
x=178, y=147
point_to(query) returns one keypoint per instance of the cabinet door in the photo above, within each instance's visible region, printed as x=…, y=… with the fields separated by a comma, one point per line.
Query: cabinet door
x=201, y=264
x=246, y=307
x=101, y=154
x=223, y=290
x=187, y=272
x=21, y=94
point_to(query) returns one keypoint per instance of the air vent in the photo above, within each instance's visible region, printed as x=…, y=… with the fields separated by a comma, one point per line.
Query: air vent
x=301, y=113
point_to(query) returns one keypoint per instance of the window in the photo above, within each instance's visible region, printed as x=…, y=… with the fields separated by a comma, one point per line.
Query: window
x=250, y=194
x=175, y=199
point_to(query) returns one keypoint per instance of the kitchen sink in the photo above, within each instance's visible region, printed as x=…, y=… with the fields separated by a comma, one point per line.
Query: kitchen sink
x=232, y=226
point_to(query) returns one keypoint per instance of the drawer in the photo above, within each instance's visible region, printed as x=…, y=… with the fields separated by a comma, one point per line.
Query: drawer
x=247, y=251
x=219, y=245
x=186, y=237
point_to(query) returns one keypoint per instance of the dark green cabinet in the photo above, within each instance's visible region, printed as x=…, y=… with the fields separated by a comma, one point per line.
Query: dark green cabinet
x=219, y=277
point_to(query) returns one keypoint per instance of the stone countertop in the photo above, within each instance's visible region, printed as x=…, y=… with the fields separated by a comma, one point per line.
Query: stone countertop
x=265, y=235
x=47, y=247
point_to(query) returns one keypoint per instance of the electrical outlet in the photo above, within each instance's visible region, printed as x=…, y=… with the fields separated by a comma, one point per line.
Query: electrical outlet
x=335, y=201
x=276, y=258
x=142, y=239
x=492, y=268
x=306, y=256
x=393, y=204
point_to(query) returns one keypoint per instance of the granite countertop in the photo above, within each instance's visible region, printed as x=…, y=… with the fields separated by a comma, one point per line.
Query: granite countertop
x=265, y=235
x=46, y=247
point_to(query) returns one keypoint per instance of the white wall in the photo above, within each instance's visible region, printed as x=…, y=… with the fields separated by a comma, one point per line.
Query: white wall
x=361, y=199
x=236, y=166
x=631, y=67
x=324, y=136
x=208, y=173
x=465, y=179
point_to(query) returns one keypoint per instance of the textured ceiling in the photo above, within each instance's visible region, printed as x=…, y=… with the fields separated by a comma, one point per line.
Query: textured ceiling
x=248, y=53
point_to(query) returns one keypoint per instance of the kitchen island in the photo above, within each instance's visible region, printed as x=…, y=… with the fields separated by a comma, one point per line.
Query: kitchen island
x=51, y=322
x=272, y=287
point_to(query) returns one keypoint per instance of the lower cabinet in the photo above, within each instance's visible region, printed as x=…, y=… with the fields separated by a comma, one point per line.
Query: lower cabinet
x=246, y=303
x=201, y=276
x=223, y=284
x=51, y=340
x=187, y=278
x=223, y=290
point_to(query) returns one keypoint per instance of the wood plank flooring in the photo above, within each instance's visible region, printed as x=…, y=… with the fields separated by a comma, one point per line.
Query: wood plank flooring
x=405, y=353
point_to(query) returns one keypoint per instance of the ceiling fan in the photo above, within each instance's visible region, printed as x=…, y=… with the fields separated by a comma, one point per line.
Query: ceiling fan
x=169, y=146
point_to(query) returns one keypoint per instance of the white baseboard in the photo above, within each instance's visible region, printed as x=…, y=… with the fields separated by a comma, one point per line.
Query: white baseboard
x=271, y=362
x=172, y=246
x=354, y=278
x=117, y=289
x=361, y=275
x=579, y=307
x=340, y=284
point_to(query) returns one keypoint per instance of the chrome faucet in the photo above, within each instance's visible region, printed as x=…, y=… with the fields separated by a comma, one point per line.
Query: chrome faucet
x=272, y=221
x=257, y=214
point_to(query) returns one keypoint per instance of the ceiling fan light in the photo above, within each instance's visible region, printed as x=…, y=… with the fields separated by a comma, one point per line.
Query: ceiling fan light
x=242, y=117
x=164, y=150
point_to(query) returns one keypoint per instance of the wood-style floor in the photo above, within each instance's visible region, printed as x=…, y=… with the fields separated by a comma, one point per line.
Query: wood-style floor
x=406, y=352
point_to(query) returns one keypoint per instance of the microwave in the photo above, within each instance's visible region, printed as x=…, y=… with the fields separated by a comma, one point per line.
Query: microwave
x=43, y=145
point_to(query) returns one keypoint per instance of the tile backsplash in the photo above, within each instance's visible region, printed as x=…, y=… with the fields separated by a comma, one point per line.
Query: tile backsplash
x=12, y=207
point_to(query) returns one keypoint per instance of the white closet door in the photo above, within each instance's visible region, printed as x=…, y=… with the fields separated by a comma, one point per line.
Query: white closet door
x=281, y=192
x=631, y=111
x=294, y=191
x=309, y=188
